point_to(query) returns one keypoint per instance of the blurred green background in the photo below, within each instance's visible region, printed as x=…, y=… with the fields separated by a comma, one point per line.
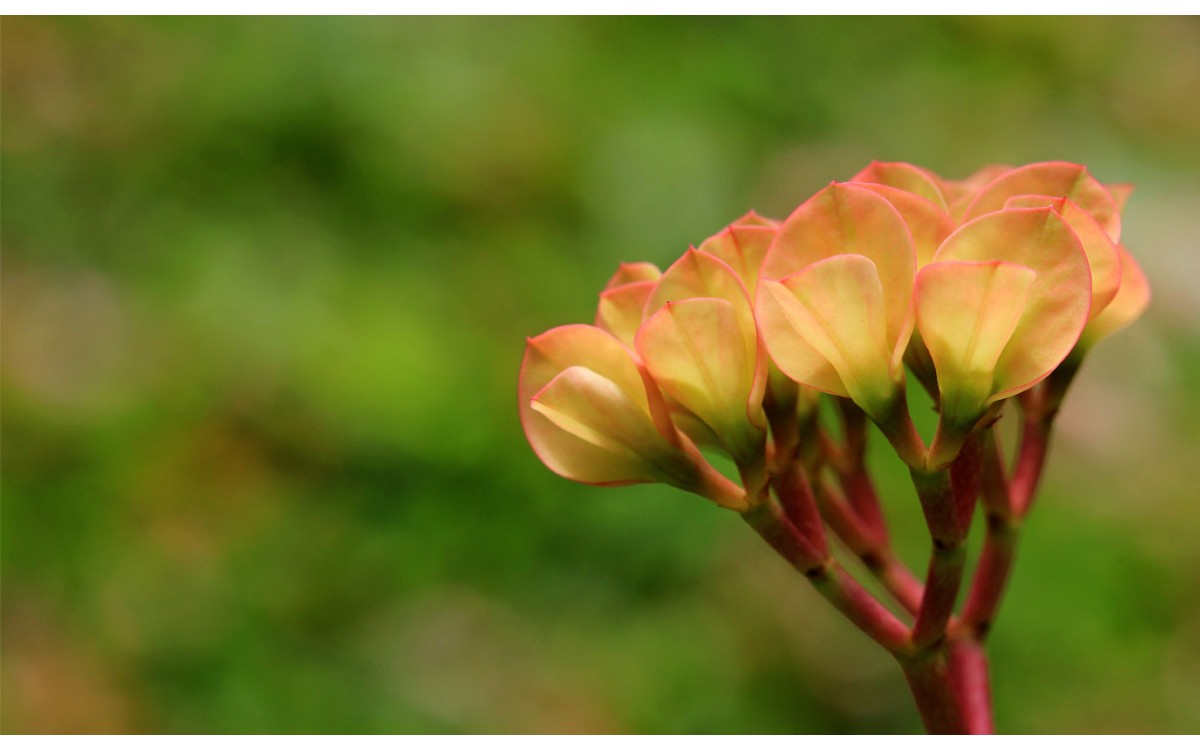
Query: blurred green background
x=265, y=288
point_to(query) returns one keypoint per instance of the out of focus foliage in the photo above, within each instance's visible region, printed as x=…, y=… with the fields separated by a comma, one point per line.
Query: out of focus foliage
x=265, y=288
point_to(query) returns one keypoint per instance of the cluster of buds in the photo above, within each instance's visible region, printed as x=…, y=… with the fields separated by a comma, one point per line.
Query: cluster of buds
x=989, y=290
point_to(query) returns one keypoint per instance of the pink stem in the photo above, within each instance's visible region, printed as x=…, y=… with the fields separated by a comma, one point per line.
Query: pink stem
x=796, y=496
x=879, y=558
x=941, y=591
x=834, y=583
x=969, y=667
x=857, y=604
x=855, y=480
x=1031, y=460
x=991, y=576
x=933, y=689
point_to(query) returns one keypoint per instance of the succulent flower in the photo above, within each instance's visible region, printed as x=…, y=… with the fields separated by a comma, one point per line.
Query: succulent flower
x=987, y=288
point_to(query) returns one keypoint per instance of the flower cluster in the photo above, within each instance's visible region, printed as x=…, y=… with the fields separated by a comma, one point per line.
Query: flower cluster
x=982, y=287
x=988, y=290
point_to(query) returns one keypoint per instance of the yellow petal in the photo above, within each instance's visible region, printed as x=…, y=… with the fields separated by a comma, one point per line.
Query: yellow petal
x=1059, y=298
x=929, y=224
x=1131, y=301
x=752, y=219
x=1100, y=250
x=960, y=193
x=620, y=309
x=742, y=248
x=631, y=273
x=611, y=438
x=1120, y=191
x=966, y=314
x=848, y=219
x=825, y=327
x=549, y=354
x=1052, y=178
x=904, y=177
x=697, y=274
x=791, y=352
x=700, y=274
x=701, y=357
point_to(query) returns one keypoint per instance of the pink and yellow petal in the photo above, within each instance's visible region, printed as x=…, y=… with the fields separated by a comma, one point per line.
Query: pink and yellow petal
x=837, y=308
x=906, y=177
x=960, y=193
x=620, y=309
x=1100, y=250
x=559, y=348
x=742, y=247
x=967, y=313
x=602, y=435
x=1052, y=178
x=699, y=354
x=849, y=219
x=799, y=360
x=1131, y=301
x=1059, y=298
x=631, y=273
x=929, y=224
x=593, y=415
x=697, y=274
x=1120, y=192
x=700, y=274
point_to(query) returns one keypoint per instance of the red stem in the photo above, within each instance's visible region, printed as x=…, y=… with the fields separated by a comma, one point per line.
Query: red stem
x=796, y=496
x=991, y=576
x=879, y=559
x=1031, y=460
x=969, y=667
x=941, y=591
x=857, y=604
x=834, y=583
x=933, y=688
x=860, y=491
x=966, y=479
x=947, y=559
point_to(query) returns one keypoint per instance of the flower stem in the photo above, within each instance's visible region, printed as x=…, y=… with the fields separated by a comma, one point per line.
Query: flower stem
x=828, y=577
x=1031, y=460
x=969, y=667
x=853, y=601
x=942, y=583
x=895, y=576
x=933, y=688
x=991, y=576
x=855, y=480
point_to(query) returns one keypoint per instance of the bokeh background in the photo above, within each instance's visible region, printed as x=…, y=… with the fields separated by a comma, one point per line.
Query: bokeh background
x=265, y=288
